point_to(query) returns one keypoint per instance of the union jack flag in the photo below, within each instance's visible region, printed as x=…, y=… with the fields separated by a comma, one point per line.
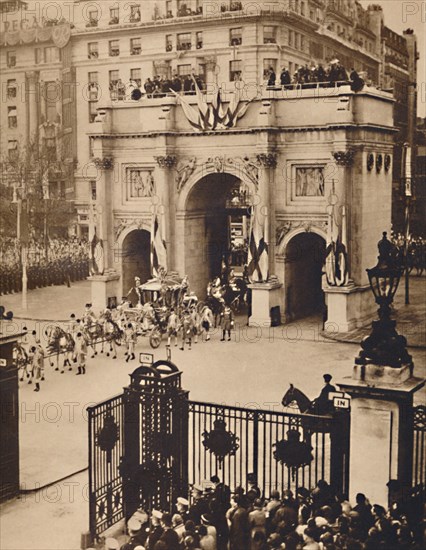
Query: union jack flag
x=258, y=252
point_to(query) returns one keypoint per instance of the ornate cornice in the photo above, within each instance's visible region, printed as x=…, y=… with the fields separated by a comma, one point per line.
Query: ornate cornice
x=105, y=163
x=167, y=161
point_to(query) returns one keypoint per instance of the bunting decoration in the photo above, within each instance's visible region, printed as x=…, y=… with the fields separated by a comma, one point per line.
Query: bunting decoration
x=258, y=251
x=336, y=257
x=158, y=245
x=206, y=117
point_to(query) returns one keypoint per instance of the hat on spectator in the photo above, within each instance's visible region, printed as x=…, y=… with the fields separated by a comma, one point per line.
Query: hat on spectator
x=157, y=514
x=327, y=377
x=183, y=501
x=320, y=521
x=303, y=492
x=198, y=488
x=111, y=544
x=134, y=526
x=206, y=519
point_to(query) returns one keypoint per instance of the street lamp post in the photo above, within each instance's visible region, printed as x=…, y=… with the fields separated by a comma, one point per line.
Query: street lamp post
x=384, y=346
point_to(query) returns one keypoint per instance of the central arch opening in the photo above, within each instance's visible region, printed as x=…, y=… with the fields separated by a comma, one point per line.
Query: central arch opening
x=136, y=260
x=305, y=255
x=217, y=221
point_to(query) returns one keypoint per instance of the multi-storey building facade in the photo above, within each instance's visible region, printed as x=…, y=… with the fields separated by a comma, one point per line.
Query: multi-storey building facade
x=38, y=92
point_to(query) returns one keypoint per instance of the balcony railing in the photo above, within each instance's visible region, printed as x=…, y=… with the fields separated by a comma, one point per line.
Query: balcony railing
x=93, y=55
x=114, y=21
x=114, y=52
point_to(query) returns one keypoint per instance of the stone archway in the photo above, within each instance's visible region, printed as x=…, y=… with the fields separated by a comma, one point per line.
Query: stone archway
x=136, y=259
x=304, y=260
x=205, y=228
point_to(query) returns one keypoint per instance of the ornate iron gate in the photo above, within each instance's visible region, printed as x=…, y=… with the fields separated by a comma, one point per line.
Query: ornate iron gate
x=106, y=448
x=270, y=445
x=149, y=444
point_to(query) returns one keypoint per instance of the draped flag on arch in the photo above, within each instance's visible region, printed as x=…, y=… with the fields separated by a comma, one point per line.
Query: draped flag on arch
x=96, y=262
x=258, y=251
x=158, y=244
x=336, y=256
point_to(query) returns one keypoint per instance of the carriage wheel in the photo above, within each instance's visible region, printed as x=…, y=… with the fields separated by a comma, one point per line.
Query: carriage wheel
x=117, y=339
x=155, y=338
x=200, y=306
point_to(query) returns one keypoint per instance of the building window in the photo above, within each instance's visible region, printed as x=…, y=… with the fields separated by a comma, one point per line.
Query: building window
x=184, y=41
x=235, y=70
x=236, y=36
x=135, y=46
x=93, y=86
x=199, y=40
x=136, y=75
x=184, y=70
x=302, y=43
x=12, y=117
x=93, y=106
x=269, y=64
x=135, y=13
x=11, y=58
x=114, y=48
x=93, y=18
x=114, y=17
x=269, y=35
x=52, y=54
x=114, y=77
x=11, y=89
x=302, y=8
x=12, y=149
x=169, y=5
x=290, y=38
x=92, y=50
x=169, y=42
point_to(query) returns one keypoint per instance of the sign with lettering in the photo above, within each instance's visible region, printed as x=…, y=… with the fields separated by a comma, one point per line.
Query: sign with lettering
x=341, y=402
x=146, y=359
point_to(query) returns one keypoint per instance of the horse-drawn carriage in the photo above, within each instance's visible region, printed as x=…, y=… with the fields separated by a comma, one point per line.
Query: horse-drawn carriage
x=157, y=298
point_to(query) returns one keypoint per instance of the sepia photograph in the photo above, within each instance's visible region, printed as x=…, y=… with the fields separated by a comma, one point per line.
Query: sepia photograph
x=213, y=275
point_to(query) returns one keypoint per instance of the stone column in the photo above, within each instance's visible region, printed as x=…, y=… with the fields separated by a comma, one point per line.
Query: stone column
x=164, y=183
x=105, y=285
x=211, y=78
x=266, y=294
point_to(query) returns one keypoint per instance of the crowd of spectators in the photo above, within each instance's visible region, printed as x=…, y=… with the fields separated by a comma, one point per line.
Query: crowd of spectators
x=217, y=519
x=158, y=86
x=315, y=74
x=62, y=261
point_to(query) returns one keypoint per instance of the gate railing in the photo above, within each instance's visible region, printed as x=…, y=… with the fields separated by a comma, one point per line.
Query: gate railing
x=258, y=431
x=251, y=437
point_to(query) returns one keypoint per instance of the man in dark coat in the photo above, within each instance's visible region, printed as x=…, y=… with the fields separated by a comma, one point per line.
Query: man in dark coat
x=239, y=535
x=323, y=403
